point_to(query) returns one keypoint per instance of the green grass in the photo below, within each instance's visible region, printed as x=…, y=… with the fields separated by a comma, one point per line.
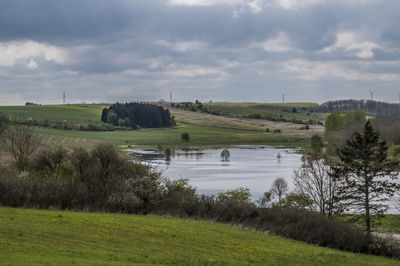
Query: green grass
x=77, y=113
x=267, y=110
x=206, y=132
x=388, y=223
x=200, y=136
x=62, y=237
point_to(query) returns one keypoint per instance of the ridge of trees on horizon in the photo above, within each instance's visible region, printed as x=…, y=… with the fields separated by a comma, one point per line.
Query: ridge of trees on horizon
x=137, y=115
x=371, y=108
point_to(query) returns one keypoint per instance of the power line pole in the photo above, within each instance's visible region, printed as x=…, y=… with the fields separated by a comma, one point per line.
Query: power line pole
x=371, y=94
x=170, y=97
x=283, y=98
x=64, y=98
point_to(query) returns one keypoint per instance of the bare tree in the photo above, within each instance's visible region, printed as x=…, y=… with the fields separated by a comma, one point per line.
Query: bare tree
x=279, y=188
x=314, y=181
x=21, y=142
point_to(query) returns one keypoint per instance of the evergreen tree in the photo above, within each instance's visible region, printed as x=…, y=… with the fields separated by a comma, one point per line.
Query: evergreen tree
x=364, y=175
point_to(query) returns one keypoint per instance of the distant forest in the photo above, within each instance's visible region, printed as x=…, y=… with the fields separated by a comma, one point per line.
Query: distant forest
x=372, y=108
x=137, y=115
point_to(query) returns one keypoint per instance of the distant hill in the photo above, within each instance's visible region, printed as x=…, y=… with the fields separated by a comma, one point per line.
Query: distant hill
x=371, y=108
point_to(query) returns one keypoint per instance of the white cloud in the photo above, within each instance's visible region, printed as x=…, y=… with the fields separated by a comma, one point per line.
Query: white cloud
x=12, y=52
x=192, y=72
x=32, y=64
x=280, y=44
x=181, y=46
x=354, y=43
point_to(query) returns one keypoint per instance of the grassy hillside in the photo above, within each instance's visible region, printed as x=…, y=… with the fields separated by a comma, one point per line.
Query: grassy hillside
x=62, y=237
x=271, y=110
x=204, y=131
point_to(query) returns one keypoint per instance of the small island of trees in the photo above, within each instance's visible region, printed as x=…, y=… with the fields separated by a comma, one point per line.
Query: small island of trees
x=137, y=115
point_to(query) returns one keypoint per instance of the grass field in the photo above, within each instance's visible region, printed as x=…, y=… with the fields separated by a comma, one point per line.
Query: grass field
x=61, y=237
x=77, y=113
x=204, y=131
x=272, y=110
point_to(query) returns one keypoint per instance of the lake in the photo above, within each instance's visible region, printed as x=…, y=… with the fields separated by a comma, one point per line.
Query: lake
x=251, y=167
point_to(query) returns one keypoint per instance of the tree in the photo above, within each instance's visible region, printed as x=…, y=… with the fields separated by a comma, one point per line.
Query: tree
x=239, y=195
x=185, y=136
x=225, y=155
x=364, y=175
x=279, y=188
x=265, y=200
x=314, y=181
x=316, y=144
x=21, y=142
x=297, y=201
x=3, y=123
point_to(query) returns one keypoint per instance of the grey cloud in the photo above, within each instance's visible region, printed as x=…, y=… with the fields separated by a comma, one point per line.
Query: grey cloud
x=123, y=49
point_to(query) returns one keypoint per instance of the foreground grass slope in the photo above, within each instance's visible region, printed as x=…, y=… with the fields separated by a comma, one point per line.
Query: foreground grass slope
x=62, y=237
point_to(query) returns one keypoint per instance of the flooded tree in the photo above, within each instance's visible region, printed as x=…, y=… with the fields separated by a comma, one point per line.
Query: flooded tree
x=225, y=155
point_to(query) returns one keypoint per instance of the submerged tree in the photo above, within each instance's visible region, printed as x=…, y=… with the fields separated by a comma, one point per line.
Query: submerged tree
x=225, y=155
x=364, y=175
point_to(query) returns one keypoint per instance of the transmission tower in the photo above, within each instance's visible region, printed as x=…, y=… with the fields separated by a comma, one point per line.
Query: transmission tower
x=371, y=94
x=64, y=97
x=283, y=98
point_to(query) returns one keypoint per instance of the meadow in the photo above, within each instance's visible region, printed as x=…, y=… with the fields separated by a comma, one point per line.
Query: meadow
x=204, y=131
x=64, y=237
x=303, y=112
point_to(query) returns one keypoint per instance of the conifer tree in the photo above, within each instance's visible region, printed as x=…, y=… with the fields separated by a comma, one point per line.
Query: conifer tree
x=365, y=175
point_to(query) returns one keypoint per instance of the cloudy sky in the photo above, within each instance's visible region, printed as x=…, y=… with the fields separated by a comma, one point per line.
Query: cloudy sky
x=220, y=50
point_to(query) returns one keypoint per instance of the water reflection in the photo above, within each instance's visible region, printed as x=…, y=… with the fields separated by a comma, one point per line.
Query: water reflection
x=251, y=167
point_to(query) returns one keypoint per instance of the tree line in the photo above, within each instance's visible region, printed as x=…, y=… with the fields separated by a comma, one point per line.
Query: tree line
x=371, y=108
x=137, y=115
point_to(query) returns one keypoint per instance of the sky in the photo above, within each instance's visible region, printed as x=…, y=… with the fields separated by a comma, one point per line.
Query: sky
x=219, y=50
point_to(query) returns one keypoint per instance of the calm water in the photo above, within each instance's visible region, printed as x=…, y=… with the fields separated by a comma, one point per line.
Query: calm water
x=251, y=167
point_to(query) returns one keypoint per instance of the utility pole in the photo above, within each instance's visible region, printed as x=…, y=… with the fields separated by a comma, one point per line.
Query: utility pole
x=170, y=97
x=283, y=98
x=64, y=98
x=371, y=94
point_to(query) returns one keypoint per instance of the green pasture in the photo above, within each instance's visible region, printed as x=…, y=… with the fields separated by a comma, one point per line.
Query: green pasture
x=199, y=135
x=76, y=113
x=267, y=110
x=29, y=237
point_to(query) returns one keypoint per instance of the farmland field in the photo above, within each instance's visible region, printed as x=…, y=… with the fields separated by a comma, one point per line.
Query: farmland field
x=204, y=129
